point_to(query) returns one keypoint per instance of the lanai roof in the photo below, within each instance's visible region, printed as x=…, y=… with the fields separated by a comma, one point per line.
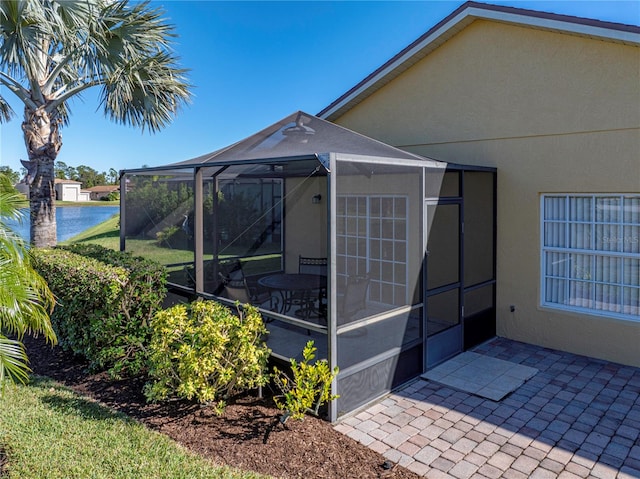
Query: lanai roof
x=301, y=135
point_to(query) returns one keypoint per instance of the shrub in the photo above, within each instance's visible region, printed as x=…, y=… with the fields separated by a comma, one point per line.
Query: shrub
x=105, y=302
x=113, y=196
x=163, y=237
x=309, y=388
x=205, y=351
x=147, y=286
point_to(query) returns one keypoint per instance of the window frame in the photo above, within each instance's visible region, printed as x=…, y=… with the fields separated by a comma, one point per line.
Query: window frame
x=400, y=289
x=600, y=262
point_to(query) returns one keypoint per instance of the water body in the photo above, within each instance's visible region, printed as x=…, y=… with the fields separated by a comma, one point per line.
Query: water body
x=71, y=220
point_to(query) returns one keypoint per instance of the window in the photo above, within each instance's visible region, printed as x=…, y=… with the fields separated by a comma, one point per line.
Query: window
x=591, y=254
x=372, y=239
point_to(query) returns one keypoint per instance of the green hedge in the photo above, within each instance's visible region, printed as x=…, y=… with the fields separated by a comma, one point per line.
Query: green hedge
x=106, y=300
x=147, y=286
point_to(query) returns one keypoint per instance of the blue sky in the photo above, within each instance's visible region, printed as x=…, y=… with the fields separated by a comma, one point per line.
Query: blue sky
x=253, y=63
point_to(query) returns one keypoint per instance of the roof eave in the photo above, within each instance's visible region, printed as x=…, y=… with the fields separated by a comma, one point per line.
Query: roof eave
x=457, y=21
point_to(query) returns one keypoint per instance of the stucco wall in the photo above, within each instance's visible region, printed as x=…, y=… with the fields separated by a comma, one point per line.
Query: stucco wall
x=554, y=113
x=305, y=222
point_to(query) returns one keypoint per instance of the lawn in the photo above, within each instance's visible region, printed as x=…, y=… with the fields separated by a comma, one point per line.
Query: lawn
x=87, y=203
x=47, y=431
x=107, y=234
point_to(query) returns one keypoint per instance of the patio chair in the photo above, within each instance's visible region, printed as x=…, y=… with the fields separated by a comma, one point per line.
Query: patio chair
x=237, y=288
x=307, y=265
x=355, y=296
x=312, y=302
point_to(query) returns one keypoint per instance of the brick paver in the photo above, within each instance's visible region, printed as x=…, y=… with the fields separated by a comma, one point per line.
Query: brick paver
x=577, y=418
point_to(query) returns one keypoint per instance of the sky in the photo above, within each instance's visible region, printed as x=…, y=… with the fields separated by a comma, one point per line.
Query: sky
x=253, y=63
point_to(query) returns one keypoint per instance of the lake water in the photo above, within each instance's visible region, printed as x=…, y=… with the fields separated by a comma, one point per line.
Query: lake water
x=71, y=220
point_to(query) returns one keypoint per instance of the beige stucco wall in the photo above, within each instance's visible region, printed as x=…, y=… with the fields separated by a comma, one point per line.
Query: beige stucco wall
x=554, y=113
x=305, y=223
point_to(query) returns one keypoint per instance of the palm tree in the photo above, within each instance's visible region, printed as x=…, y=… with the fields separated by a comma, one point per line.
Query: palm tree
x=25, y=299
x=53, y=50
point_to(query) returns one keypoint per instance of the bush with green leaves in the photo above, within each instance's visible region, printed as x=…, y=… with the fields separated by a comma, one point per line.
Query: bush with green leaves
x=207, y=352
x=147, y=286
x=106, y=300
x=113, y=196
x=308, y=388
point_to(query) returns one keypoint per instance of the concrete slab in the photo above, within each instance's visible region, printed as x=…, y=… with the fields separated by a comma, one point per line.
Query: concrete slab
x=484, y=376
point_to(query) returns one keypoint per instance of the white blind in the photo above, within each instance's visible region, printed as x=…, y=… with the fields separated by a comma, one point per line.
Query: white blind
x=591, y=253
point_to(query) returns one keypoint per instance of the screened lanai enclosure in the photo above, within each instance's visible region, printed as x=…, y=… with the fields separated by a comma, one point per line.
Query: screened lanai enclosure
x=384, y=258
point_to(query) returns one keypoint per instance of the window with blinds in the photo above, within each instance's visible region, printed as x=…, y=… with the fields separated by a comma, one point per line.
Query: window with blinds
x=591, y=254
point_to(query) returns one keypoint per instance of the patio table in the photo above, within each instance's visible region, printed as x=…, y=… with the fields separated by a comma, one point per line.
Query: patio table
x=296, y=286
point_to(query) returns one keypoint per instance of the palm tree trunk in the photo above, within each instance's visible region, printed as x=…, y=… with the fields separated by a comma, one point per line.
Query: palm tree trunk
x=42, y=204
x=43, y=141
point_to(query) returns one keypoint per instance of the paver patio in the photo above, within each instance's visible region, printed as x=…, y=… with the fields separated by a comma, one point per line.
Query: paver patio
x=578, y=417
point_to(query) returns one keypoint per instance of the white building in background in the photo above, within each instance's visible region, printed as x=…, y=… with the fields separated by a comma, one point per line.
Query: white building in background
x=70, y=190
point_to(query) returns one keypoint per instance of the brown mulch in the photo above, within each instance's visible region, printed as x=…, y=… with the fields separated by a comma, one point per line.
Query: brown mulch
x=310, y=448
x=3, y=462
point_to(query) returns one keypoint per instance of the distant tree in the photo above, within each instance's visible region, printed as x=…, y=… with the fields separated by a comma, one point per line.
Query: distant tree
x=53, y=50
x=25, y=298
x=13, y=176
x=60, y=170
x=112, y=176
x=89, y=177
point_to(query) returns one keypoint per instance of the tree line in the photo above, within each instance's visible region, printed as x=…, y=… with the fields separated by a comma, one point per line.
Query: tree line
x=84, y=174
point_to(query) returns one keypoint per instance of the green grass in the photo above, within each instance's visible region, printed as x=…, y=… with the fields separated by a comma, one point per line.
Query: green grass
x=87, y=203
x=47, y=431
x=105, y=234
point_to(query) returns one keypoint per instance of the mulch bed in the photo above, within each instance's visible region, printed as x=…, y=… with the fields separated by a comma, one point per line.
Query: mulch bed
x=308, y=448
x=3, y=461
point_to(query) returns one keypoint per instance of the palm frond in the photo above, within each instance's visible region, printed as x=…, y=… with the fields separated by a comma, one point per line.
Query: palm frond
x=146, y=93
x=11, y=201
x=59, y=48
x=143, y=85
x=25, y=298
x=6, y=112
x=13, y=361
x=18, y=29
